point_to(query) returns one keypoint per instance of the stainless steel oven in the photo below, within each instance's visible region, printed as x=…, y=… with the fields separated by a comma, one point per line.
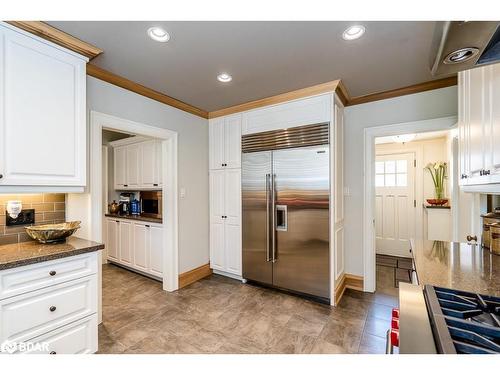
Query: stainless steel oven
x=151, y=203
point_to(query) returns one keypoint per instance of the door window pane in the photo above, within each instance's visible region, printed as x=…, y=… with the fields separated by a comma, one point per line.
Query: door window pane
x=390, y=180
x=379, y=180
x=390, y=166
x=401, y=166
x=401, y=179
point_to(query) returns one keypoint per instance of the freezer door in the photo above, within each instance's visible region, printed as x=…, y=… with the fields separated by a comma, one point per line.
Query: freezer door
x=302, y=250
x=256, y=219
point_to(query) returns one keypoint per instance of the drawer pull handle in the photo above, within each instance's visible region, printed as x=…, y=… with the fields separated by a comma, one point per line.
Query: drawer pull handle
x=52, y=273
x=52, y=352
x=52, y=308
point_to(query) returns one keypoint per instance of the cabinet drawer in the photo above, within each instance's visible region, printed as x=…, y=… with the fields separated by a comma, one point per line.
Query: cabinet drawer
x=36, y=276
x=32, y=314
x=75, y=338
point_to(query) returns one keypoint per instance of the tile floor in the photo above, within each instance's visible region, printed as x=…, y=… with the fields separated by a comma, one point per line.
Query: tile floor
x=221, y=315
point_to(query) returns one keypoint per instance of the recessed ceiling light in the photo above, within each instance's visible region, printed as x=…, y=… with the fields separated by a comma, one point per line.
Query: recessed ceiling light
x=224, y=77
x=353, y=32
x=158, y=34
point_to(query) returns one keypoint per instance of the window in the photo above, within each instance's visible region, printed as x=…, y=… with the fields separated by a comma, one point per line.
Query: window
x=391, y=173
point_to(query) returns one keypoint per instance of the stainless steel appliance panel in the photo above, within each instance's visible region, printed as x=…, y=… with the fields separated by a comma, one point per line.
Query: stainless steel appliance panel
x=301, y=253
x=256, y=216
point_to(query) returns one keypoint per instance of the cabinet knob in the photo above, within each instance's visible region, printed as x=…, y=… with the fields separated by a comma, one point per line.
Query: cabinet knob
x=472, y=238
x=155, y=184
x=52, y=308
x=52, y=273
x=147, y=226
x=1, y=175
x=52, y=352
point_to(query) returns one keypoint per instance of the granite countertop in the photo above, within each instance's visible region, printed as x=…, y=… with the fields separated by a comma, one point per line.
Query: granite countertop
x=457, y=266
x=24, y=253
x=149, y=219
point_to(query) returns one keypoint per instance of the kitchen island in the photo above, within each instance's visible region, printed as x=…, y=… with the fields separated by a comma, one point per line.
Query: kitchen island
x=455, y=265
x=49, y=297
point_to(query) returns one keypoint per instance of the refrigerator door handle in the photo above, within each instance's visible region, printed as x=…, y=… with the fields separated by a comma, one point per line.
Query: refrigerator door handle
x=273, y=208
x=268, y=212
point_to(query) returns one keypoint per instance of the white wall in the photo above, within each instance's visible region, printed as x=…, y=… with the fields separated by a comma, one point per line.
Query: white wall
x=421, y=106
x=192, y=155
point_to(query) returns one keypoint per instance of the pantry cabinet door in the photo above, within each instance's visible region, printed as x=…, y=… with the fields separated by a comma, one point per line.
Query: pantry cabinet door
x=156, y=250
x=112, y=239
x=42, y=113
x=125, y=242
x=120, y=164
x=133, y=166
x=140, y=246
x=217, y=195
x=148, y=170
x=216, y=143
x=217, y=245
x=494, y=109
x=232, y=247
x=476, y=134
x=232, y=141
x=232, y=195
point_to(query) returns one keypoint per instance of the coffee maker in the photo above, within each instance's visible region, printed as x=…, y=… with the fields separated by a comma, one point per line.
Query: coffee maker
x=124, y=202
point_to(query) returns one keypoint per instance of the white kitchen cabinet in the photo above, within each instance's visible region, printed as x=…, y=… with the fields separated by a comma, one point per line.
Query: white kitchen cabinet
x=57, y=307
x=225, y=142
x=137, y=165
x=42, y=107
x=120, y=167
x=225, y=221
x=138, y=245
x=112, y=240
x=125, y=242
x=155, y=266
x=479, y=125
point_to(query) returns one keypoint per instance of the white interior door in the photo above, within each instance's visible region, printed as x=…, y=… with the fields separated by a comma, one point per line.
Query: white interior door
x=394, y=203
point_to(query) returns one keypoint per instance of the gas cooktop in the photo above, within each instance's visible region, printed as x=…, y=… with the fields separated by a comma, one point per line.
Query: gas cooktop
x=463, y=322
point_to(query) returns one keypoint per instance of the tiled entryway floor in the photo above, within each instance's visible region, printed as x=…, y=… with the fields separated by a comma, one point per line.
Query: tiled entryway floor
x=221, y=315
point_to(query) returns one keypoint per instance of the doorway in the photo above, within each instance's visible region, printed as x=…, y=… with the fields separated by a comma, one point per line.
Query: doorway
x=388, y=232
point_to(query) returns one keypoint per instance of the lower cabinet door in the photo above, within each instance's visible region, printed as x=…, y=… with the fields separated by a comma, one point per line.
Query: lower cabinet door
x=29, y=315
x=232, y=248
x=217, y=245
x=155, y=250
x=112, y=227
x=125, y=243
x=79, y=337
x=141, y=244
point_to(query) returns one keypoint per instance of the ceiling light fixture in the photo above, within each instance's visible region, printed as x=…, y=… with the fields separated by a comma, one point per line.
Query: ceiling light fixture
x=404, y=138
x=224, y=77
x=158, y=34
x=353, y=32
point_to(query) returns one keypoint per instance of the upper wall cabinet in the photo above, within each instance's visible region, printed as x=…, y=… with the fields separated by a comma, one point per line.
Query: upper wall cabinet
x=225, y=142
x=308, y=111
x=137, y=164
x=479, y=125
x=42, y=112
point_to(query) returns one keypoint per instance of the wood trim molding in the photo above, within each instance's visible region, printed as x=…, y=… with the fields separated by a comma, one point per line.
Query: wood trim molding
x=276, y=99
x=102, y=74
x=347, y=281
x=192, y=276
x=59, y=37
x=413, y=89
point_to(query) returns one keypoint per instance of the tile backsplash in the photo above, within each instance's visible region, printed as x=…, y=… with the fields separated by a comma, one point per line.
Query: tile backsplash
x=49, y=209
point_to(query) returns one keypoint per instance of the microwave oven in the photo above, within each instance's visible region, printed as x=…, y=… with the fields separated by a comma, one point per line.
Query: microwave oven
x=151, y=203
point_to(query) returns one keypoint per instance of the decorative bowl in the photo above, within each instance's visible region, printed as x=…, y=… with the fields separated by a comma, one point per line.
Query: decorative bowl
x=437, y=202
x=49, y=233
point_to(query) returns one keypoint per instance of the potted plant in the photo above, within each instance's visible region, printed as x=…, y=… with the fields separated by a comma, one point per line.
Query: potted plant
x=438, y=173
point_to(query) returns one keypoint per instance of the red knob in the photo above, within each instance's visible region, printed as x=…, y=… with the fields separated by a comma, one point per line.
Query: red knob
x=395, y=313
x=395, y=323
x=395, y=337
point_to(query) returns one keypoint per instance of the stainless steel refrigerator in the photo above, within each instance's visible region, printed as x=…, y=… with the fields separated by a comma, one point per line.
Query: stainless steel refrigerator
x=286, y=203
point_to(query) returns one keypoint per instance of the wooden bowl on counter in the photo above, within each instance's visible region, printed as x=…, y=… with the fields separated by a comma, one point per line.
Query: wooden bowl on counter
x=50, y=233
x=437, y=202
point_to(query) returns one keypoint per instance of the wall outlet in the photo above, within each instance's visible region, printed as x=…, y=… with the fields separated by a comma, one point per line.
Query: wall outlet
x=25, y=217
